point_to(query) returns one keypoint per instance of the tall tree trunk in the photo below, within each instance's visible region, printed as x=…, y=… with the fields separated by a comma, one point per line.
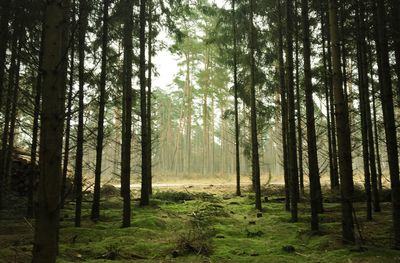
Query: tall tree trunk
x=298, y=101
x=13, y=114
x=363, y=87
x=64, y=190
x=4, y=34
x=127, y=114
x=145, y=195
x=254, y=139
x=83, y=22
x=375, y=126
x=95, y=213
x=311, y=136
x=388, y=114
x=343, y=131
x=236, y=102
x=293, y=168
x=284, y=115
x=395, y=22
x=7, y=113
x=149, y=97
x=334, y=176
x=35, y=129
x=45, y=245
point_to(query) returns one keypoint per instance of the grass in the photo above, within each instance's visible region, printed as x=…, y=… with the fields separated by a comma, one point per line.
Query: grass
x=200, y=227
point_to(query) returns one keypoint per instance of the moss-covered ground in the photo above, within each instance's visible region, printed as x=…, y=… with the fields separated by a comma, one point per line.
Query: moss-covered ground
x=193, y=226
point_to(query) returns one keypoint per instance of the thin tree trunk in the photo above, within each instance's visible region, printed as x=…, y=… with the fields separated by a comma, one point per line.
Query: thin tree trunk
x=64, y=190
x=311, y=136
x=395, y=22
x=254, y=139
x=298, y=102
x=145, y=195
x=363, y=87
x=284, y=116
x=293, y=167
x=149, y=97
x=95, y=213
x=83, y=22
x=236, y=102
x=4, y=34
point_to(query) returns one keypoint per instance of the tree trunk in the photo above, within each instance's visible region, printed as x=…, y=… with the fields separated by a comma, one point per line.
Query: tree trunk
x=311, y=136
x=236, y=102
x=363, y=87
x=64, y=190
x=83, y=23
x=298, y=102
x=4, y=34
x=254, y=139
x=293, y=168
x=395, y=22
x=51, y=133
x=145, y=195
x=388, y=114
x=149, y=98
x=343, y=131
x=127, y=114
x=95, y=213
x=284, y=116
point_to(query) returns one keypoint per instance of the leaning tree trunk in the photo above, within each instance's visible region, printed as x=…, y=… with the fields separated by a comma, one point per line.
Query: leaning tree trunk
x=343, y=131
x=45, y=243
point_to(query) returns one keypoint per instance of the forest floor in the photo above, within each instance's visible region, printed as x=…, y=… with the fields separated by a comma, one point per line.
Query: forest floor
x=204, y=224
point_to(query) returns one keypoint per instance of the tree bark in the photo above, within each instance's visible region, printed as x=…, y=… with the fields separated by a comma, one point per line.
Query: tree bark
x=236, y=101
x=388, y=113
x=343, y=131
x=292, y=156
x=51, y=133
x=127, y=114
x=311, y=136
x=83, y=23
x=95, y=213
x=254, y=139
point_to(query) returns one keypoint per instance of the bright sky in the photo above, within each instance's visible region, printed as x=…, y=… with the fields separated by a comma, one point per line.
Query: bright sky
x=167, y=63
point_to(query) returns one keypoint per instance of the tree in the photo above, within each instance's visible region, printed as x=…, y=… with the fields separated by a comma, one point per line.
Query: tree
x=254, y=134
x=4, y=34
x=145, y=193
x=311, y=136
x=236, y=102
x=127, y=113
x=45, y=243
x=292, y=154
x=342, y=130
x=388, y=113
x=95, y=214
x=284, y=115
x=83, y=23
